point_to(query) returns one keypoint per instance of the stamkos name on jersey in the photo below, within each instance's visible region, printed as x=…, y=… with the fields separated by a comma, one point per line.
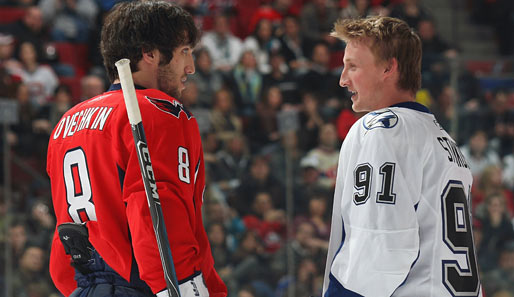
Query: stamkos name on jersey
x=453, y=151
x=82, y=120
x=384, y=118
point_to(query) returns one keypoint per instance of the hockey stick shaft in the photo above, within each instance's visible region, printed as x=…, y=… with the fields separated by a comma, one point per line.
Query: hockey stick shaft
x=145, y=164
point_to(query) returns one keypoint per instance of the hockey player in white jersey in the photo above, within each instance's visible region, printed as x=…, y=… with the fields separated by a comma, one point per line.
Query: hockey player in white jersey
x=401, y=222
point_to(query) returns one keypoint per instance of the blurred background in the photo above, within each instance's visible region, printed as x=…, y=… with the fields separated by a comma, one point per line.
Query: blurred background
x=272, y=119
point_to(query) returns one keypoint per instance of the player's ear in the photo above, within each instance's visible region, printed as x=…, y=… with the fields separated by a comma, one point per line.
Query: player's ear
x=151, y=57
x=391, y=66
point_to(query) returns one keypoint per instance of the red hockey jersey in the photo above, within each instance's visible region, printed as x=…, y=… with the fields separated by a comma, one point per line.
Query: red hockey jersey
x=95, y=178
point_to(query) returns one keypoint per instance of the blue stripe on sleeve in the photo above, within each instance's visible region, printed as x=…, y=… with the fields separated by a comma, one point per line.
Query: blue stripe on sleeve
x=335, y=289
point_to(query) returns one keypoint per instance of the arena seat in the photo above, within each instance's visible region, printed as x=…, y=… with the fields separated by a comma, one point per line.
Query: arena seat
x=336, y=59
x=9, y=14
x=74, y=54
x=480, y=67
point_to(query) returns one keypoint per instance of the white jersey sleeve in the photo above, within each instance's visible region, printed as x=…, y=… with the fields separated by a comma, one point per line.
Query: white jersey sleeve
x=388, y=224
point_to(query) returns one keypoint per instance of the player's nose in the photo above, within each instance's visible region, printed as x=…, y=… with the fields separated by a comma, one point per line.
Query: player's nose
x=190, y=66
x=343, y=80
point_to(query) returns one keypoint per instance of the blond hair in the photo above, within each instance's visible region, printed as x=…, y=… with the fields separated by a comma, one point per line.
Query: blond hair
x=387, y=38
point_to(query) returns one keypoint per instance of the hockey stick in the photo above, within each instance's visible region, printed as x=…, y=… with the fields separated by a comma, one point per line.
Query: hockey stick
x=143, y=155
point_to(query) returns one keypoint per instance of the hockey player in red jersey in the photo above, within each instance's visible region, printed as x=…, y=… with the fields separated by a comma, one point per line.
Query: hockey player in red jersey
x=95, y=176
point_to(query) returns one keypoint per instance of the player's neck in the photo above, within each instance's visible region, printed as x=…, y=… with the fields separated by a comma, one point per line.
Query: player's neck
x=145, y=79
x=141, y=81
x=395, y=96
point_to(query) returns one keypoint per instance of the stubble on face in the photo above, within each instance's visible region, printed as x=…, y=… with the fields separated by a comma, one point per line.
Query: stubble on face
x=168, y=80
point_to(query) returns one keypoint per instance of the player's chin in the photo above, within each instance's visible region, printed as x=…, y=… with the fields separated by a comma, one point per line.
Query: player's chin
x=175, y=93
x=356, y=106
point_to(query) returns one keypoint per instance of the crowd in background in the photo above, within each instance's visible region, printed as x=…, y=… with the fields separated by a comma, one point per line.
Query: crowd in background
x=272, y=118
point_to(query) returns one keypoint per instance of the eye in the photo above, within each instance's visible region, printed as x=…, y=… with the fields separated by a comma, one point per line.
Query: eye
x=185, y=50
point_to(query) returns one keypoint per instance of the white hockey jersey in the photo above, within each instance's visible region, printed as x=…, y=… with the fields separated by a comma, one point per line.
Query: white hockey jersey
x=401, y=223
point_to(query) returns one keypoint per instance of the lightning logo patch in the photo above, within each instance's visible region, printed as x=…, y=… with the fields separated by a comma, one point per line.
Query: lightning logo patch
x=384, y=118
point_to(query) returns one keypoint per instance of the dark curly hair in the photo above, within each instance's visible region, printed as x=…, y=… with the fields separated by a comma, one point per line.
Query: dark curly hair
x=132, y=28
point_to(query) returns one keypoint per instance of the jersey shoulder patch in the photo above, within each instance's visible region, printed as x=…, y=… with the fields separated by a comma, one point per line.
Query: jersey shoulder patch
x=384, y=118
x=172, y=107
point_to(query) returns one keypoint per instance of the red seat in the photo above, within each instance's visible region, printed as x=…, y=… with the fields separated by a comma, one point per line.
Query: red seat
x=10, y=14
x=480, y=67
x=336, y=59
x=74, y=54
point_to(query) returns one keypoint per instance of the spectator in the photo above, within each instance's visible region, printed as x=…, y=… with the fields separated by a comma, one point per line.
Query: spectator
x=258, y=179
x=219, y=248
x=211, y=145
x=246, y=82
x=317, y=20
x=224, y=47
x=51, y=113
x=70, y=20
x=500, y=122
x=7, y=59
x=29, y=29
x=444, y=108
x=41, y=225
x=250, y=263
x=281, y=77
x=223, y=119
x=490, y=183
x=478, y=154
x=309, y=182
x=321, y=80
x=218, y=212
x=190, y=101
x=233, y=162
x=8, y=84
x=304, y=245
x=90, y=86
x=278, y=158
x=434, y=47
x=40, y=79
x=21, y=135
x=207, y=79
x=410, y=11
x=326, y=155
x=17, y=239
x=274, y=12
x=317, y=215
x=31, y=278
x=311, y=121
x=295, y=46
x=263, y=127
x=500, y=281
x=267, y=221
x=262, y=42
x=361, y=9
x=497, y=230
x=304, y=281
x=435, y=55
